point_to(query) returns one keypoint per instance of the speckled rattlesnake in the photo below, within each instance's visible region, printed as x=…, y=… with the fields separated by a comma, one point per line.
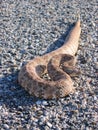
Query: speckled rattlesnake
x=60, y=66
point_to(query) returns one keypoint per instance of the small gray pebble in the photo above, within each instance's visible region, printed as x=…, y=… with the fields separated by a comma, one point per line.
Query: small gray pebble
x=44, y=103
x=5, y=126
x=39, y=102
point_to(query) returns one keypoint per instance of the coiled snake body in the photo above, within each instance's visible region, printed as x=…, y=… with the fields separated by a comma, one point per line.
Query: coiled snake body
x=60, y=66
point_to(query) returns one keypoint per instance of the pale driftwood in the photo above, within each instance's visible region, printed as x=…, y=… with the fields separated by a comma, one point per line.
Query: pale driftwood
x=59, y=64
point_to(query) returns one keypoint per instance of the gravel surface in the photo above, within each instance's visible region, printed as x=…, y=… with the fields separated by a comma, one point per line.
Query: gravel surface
x=33, y=27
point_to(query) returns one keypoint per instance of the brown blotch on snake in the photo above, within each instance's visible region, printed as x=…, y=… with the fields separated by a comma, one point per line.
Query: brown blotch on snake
x=60, y=66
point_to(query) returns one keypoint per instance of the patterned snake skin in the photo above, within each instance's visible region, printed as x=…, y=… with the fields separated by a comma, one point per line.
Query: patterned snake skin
x=58, y=64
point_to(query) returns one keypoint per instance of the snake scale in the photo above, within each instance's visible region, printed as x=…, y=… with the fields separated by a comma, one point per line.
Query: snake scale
x=58, y=64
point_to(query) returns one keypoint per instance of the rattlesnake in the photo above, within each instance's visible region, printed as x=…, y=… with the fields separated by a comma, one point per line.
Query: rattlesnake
x=60, y=66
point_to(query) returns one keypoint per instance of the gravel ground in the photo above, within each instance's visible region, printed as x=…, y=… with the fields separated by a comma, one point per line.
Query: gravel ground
x=33, y=27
